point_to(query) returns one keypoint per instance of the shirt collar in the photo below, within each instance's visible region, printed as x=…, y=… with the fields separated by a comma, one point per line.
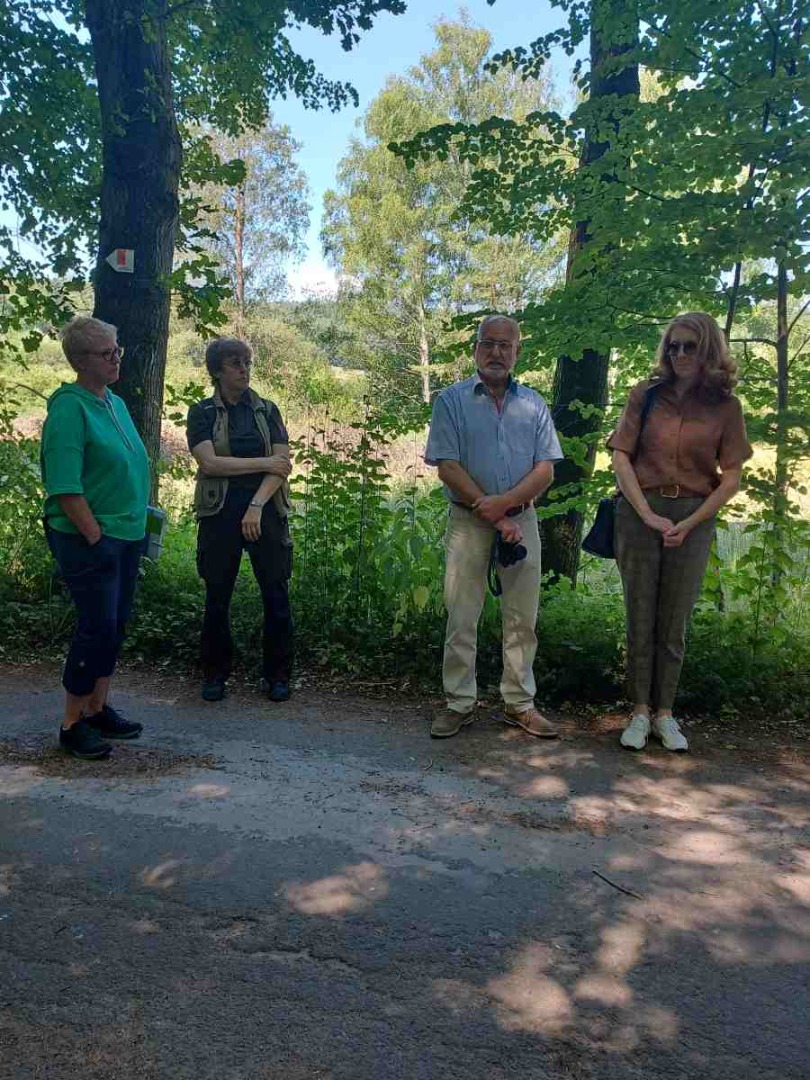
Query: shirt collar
x=480, y=387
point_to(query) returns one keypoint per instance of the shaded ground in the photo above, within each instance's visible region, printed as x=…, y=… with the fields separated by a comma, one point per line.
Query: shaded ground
x=316, y=891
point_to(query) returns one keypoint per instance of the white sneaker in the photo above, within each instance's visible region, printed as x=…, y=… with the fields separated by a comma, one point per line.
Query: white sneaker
x=669, y=732
x=634, y=736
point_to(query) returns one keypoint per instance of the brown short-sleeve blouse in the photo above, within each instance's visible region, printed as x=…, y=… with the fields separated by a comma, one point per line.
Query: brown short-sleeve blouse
x=684, y=442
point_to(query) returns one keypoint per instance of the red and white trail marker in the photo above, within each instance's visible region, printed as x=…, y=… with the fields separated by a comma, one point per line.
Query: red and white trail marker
x=122, y=260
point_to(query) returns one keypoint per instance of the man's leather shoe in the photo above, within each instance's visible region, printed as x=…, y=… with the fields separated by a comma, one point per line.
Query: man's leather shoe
x=448, y=722
x=531, y=721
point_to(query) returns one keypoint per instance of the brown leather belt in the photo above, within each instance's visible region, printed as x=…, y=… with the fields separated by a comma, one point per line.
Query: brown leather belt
x=675, y=491
x=513, y=512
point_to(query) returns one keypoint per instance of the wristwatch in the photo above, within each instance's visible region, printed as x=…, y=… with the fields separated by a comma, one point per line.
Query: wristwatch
x=256, y=504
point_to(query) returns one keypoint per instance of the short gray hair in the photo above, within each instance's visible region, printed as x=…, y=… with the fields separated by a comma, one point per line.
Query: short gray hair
x=79, y=334
x=498, y=318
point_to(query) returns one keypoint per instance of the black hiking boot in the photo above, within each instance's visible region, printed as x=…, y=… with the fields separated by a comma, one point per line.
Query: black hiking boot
x=214, y=690
x=110, y=723
x=83, y=742
x=276, y=689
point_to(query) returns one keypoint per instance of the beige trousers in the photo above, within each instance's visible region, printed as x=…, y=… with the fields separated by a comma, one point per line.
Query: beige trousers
x=468, y=543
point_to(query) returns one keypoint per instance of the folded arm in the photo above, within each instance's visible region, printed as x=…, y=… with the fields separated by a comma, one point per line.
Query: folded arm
x=212, y=464
x=252, y=521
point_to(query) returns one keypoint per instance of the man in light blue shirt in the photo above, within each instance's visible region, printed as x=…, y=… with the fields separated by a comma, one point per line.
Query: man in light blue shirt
x=494, y=443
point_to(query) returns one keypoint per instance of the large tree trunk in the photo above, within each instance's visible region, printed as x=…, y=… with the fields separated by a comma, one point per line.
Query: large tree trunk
x=139, y=204
x=614, y=32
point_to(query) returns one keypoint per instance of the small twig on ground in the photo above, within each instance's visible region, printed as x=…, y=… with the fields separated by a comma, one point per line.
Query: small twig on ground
x=428, y=766
x=621, y=888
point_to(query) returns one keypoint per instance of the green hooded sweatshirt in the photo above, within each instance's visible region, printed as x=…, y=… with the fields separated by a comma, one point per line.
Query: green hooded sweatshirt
x=90, y=447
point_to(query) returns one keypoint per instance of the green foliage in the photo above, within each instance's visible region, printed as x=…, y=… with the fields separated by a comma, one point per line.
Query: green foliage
x=700, y=200
x=411, y=259
x=367, y=594
x=693, y=197
x=226, y=62
x=21, y=536
x=581, y=644
x=366, y=564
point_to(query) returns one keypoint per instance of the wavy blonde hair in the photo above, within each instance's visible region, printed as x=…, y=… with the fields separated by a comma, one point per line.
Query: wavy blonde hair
x=718, y=369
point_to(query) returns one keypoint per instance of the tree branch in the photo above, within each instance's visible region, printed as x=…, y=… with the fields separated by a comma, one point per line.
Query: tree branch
x=767, y=20
x=761, y=340
x=798, y=351
x=181, y=7
x=799, y=314
x=640, y=191
x=30, y=389
x=701, y=59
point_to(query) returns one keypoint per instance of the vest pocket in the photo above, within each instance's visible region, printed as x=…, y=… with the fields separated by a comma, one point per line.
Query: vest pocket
x=210, y=494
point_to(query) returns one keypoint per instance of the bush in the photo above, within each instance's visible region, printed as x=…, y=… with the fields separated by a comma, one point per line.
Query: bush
x=580, y=655
x=367, y=593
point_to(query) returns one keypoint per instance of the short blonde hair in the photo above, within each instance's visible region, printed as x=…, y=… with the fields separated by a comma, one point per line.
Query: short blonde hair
x=717, y=367
x=79, y=334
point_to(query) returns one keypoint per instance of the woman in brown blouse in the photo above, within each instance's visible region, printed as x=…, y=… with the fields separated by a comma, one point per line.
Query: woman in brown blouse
x=675, y=470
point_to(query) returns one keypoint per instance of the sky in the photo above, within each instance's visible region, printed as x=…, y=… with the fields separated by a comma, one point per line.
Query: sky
x=394, y=44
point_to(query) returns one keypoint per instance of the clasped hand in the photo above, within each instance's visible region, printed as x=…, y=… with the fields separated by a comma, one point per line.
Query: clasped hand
x=673, y=535
x=492, y=509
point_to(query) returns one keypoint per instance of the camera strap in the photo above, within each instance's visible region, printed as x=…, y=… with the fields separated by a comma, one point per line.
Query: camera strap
x=493, y=580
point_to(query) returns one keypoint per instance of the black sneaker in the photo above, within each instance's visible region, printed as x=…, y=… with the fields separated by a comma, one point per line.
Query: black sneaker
x=110, y=723
x=84, y=742
x=276, y=691
x=214, y=690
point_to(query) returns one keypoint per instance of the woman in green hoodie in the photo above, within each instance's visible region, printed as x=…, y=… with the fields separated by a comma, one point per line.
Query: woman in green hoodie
x=96, y=475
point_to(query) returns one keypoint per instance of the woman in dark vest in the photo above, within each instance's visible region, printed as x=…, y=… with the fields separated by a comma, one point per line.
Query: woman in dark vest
x=241, y=501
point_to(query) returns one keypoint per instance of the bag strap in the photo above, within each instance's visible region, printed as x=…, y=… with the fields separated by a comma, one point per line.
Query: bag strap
x=649, y=401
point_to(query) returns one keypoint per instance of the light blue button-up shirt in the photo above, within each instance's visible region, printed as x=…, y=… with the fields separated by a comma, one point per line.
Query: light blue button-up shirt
x=497, y=448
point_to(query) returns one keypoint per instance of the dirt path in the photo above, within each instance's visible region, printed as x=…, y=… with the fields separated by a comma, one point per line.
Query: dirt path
x=316, y=891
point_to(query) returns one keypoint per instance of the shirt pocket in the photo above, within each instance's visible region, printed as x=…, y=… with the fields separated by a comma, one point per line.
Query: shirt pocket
x=519, y=427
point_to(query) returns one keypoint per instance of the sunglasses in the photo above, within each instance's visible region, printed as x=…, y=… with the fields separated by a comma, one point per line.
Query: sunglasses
x=688, y=348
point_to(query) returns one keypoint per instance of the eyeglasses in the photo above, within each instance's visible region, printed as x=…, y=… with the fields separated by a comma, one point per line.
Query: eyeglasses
x=108, y=354
x=490, y=344
x=688, y=348
x=238, y=365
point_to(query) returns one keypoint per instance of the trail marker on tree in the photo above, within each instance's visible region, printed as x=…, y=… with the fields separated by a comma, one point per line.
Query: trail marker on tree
x=122, y=260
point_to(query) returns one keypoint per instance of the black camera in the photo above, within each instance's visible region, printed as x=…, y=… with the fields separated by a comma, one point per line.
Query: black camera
x=510, y=553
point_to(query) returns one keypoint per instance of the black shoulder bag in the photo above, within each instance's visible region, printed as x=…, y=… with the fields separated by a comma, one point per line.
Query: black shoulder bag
x=599, y=540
